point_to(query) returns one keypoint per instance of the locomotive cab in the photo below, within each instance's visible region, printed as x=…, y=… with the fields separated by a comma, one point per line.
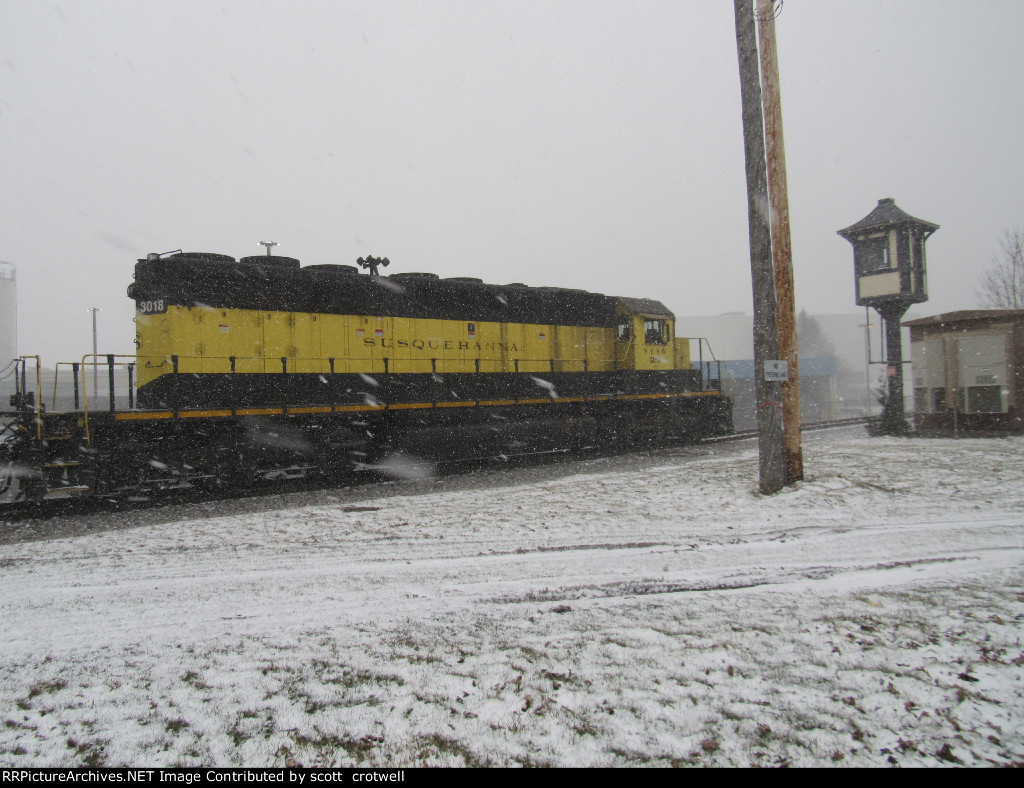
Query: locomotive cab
x=644, y=334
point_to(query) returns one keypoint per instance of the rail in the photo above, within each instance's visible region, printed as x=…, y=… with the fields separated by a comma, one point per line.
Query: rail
x=833, y=424
x=710, y=377
x=42, y=511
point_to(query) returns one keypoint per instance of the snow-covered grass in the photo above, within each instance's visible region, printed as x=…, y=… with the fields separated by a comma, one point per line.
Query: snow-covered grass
x=645, y=610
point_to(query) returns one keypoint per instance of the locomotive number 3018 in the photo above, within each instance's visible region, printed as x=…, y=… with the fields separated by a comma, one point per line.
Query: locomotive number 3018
x=157, y=307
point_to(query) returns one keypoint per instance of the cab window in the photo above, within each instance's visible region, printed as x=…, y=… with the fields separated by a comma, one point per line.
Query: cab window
x=656, y=332
x=622, y=330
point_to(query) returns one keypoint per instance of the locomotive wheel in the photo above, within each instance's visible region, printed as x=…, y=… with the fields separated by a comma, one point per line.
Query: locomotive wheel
x=228, y=464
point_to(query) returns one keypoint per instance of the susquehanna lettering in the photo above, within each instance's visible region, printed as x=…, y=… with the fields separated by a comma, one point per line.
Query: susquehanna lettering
x=438, y=344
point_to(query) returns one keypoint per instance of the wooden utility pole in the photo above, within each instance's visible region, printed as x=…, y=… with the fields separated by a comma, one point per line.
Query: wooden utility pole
x=769, y=414
x=782, y=251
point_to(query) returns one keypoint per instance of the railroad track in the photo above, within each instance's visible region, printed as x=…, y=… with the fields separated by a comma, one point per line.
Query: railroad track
x=820, y=425
x=72, y=506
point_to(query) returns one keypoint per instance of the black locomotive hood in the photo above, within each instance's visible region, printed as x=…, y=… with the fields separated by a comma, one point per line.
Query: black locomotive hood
x=219, y=281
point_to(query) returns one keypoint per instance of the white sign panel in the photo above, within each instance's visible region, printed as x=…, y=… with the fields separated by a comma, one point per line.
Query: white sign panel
x=776, y=371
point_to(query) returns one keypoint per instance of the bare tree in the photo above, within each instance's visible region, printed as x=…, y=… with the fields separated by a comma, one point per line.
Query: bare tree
x=1002, y=284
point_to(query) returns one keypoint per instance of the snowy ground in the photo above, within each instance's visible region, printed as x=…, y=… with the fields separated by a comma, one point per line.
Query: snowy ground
x=643, y=610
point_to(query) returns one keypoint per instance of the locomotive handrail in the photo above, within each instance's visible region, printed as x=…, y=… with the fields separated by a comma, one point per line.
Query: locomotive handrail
x=702, y=365
x=56, y=372
x=168, y=359
x=288, y=362
x=76, y=367
x=110, y=363
x=39, y=390
x=202, y=363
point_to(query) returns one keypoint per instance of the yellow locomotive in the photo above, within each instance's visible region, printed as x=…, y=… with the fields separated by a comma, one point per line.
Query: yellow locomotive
x=262, y=368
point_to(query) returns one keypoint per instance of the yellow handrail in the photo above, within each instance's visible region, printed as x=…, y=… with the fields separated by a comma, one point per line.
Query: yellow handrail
x=85, y=385
x=156, y=361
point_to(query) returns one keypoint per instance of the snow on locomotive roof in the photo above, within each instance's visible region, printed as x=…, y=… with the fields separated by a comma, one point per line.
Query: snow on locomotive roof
x=274, y=283
x=647, y=307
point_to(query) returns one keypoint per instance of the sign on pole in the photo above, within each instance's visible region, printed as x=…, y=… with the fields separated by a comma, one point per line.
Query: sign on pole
x=776, y=371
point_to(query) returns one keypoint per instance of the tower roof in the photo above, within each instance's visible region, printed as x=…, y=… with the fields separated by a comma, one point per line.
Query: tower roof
x=885, y=214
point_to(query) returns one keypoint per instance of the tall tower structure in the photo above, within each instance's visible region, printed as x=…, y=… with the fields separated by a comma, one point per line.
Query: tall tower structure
x=890, y=275
x=8, y=313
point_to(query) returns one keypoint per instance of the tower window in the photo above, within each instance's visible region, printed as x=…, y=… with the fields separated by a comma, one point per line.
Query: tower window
x=872, y=255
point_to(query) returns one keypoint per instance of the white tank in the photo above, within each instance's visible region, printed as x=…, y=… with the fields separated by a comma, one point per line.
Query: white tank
x=8, y=314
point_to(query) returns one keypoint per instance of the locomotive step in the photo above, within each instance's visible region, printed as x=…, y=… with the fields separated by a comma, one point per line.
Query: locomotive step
x=66, y=492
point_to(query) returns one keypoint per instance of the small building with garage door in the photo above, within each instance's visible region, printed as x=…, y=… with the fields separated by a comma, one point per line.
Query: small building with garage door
x=968, y=371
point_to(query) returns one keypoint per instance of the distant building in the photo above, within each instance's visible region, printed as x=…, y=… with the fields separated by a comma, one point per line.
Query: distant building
x=835, y=378
x=818, y=398
x=968, y=370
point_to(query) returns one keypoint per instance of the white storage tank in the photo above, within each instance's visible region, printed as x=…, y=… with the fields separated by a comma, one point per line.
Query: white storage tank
x=8, y=314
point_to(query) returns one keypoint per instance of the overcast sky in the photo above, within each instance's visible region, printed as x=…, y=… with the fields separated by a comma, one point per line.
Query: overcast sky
x=579, y=144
